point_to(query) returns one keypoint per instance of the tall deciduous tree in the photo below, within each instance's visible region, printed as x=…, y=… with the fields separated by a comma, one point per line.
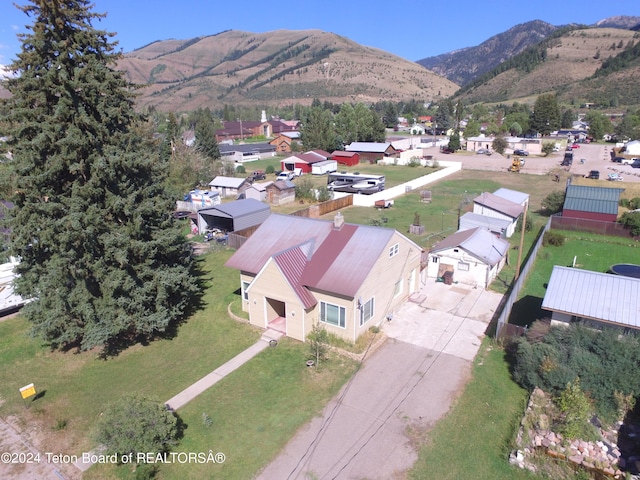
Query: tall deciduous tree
x=100, y=254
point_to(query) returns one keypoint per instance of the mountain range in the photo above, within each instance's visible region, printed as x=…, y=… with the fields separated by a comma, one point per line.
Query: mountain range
x=597, y=64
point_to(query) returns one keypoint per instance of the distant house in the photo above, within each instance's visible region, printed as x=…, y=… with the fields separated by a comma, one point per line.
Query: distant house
x=372, y=151
x=239, y=130
x=247, y=152
x=345, y=158
x=576, y=295
x=280, y=192
x=474, y=256
x=297, y=272
x=632, y=148
x=304, y=161
x=491, y=205
x=282, y=143
x=232, y=216
x=592, y=203
x=476, y=143
x=228, y=186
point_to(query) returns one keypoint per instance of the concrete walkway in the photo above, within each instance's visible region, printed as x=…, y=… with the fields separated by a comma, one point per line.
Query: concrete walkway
x=219, y=373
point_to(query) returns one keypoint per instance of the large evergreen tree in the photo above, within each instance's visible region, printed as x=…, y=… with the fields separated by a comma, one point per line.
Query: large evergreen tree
x=100, y=254
x=546, y=115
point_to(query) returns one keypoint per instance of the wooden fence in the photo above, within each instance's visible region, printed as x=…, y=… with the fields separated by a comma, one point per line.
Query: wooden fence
x=600, y=227
x=316, y=211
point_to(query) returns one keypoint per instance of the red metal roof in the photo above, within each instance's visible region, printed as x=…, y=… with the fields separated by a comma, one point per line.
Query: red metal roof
x=292, y=263
x=339, y=260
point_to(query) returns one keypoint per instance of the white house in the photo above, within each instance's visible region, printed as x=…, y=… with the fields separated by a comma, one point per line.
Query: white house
x=492, y=205
x=228, y=186
x=475, y=257
x=632, y=147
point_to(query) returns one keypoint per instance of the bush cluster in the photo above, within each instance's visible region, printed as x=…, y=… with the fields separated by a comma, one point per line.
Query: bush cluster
x=602, y=360
x=554, y=238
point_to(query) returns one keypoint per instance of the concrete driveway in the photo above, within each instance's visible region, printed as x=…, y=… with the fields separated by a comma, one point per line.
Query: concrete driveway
x=406, y=386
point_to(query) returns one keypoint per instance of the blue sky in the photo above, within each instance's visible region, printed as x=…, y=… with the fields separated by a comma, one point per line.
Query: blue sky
x=412, y=30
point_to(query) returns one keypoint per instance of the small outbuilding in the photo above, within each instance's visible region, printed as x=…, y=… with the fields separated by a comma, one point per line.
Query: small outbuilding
x=592, y=203
x=576, y=295
x=232, y=216
x=473, y=257
x=228, y=186
x=349, y=159
x=372, y=151
x=492, y=205
x=280, y=192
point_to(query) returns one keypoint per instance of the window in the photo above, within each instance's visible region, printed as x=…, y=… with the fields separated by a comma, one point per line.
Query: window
x=245, y=294
x=434, y=259
x=398, y=288
x=366, y=311
x=463, y=266
x=332, y=314
x=393, y=250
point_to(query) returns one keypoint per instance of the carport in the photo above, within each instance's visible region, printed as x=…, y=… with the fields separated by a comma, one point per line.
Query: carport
x=232, y=216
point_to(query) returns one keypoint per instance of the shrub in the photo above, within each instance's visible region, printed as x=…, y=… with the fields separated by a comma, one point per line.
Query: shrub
x=547, y=148
x=554, y=201
x=324, y=194
x=414, y=162
x=553, y=238
x=634, y=203
x=624, y=202
x=269, y=169
x=136, y=424
x=241, y=169
x=576, y=410
x=631, y=220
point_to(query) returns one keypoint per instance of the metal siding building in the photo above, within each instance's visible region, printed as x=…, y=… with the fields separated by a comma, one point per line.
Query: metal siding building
x=594, y=203
x=575, y=294
x=232, y=216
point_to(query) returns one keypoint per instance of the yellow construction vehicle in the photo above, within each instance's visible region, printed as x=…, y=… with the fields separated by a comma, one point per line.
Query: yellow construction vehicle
x=516, y=164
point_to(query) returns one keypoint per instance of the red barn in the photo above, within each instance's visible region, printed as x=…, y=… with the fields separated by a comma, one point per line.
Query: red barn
x=304, y=161
x=345, y=158
x=592, y=203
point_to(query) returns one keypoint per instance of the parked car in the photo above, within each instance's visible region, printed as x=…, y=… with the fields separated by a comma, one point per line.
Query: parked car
x=594, y=174
x=567, y=162
x=614, y=177
x=257, y=175
x=618, y=159
x=484, y=151
x=575, y=145
x=636, y=164
x=286, y=175
x=627, y=161
x=521, y=152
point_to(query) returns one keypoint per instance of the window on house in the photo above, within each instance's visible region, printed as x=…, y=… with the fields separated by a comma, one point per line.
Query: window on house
x=393, y=250
x=434, y=259
x=398, y=288
x=366, y=311
x=332, y=314
x=245, y=294
x=463, y=266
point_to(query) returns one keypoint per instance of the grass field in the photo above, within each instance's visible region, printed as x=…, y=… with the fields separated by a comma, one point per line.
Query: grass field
x=590, y=252
x=475, y=438
x=251, y=414
x=267, y=399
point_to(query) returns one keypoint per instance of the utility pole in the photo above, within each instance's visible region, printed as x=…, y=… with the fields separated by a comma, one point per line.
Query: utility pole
x=524, y=223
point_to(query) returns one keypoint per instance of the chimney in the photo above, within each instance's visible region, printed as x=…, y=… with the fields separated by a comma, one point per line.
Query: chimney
x=263, y=118
x=338, y=221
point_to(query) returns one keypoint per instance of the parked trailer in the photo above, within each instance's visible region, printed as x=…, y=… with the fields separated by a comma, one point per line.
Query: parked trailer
x=320, y=168
x=355, y=183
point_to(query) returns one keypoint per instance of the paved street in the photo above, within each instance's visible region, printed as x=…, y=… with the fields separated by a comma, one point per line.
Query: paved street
x=407, y=385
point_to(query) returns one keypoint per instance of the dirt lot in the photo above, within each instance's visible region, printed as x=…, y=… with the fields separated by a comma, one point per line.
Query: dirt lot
x=596, y=157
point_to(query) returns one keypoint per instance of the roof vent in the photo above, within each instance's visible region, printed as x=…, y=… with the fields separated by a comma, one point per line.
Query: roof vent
x=338, y=221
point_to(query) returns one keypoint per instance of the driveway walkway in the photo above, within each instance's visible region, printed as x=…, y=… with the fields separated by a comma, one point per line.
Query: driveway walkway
x=403, y=389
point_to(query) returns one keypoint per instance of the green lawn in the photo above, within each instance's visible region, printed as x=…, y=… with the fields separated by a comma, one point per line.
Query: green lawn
x=476, y=436
x=590, y=251
x=268, y=398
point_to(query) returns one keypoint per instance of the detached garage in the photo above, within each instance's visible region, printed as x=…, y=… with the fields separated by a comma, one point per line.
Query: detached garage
x=232, y=216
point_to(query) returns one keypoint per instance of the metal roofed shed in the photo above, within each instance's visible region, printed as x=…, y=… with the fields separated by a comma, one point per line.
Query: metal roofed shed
x=512, y=195
x=470, y=220
x=593, y=296
x=232, y=216
x=595, y=203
